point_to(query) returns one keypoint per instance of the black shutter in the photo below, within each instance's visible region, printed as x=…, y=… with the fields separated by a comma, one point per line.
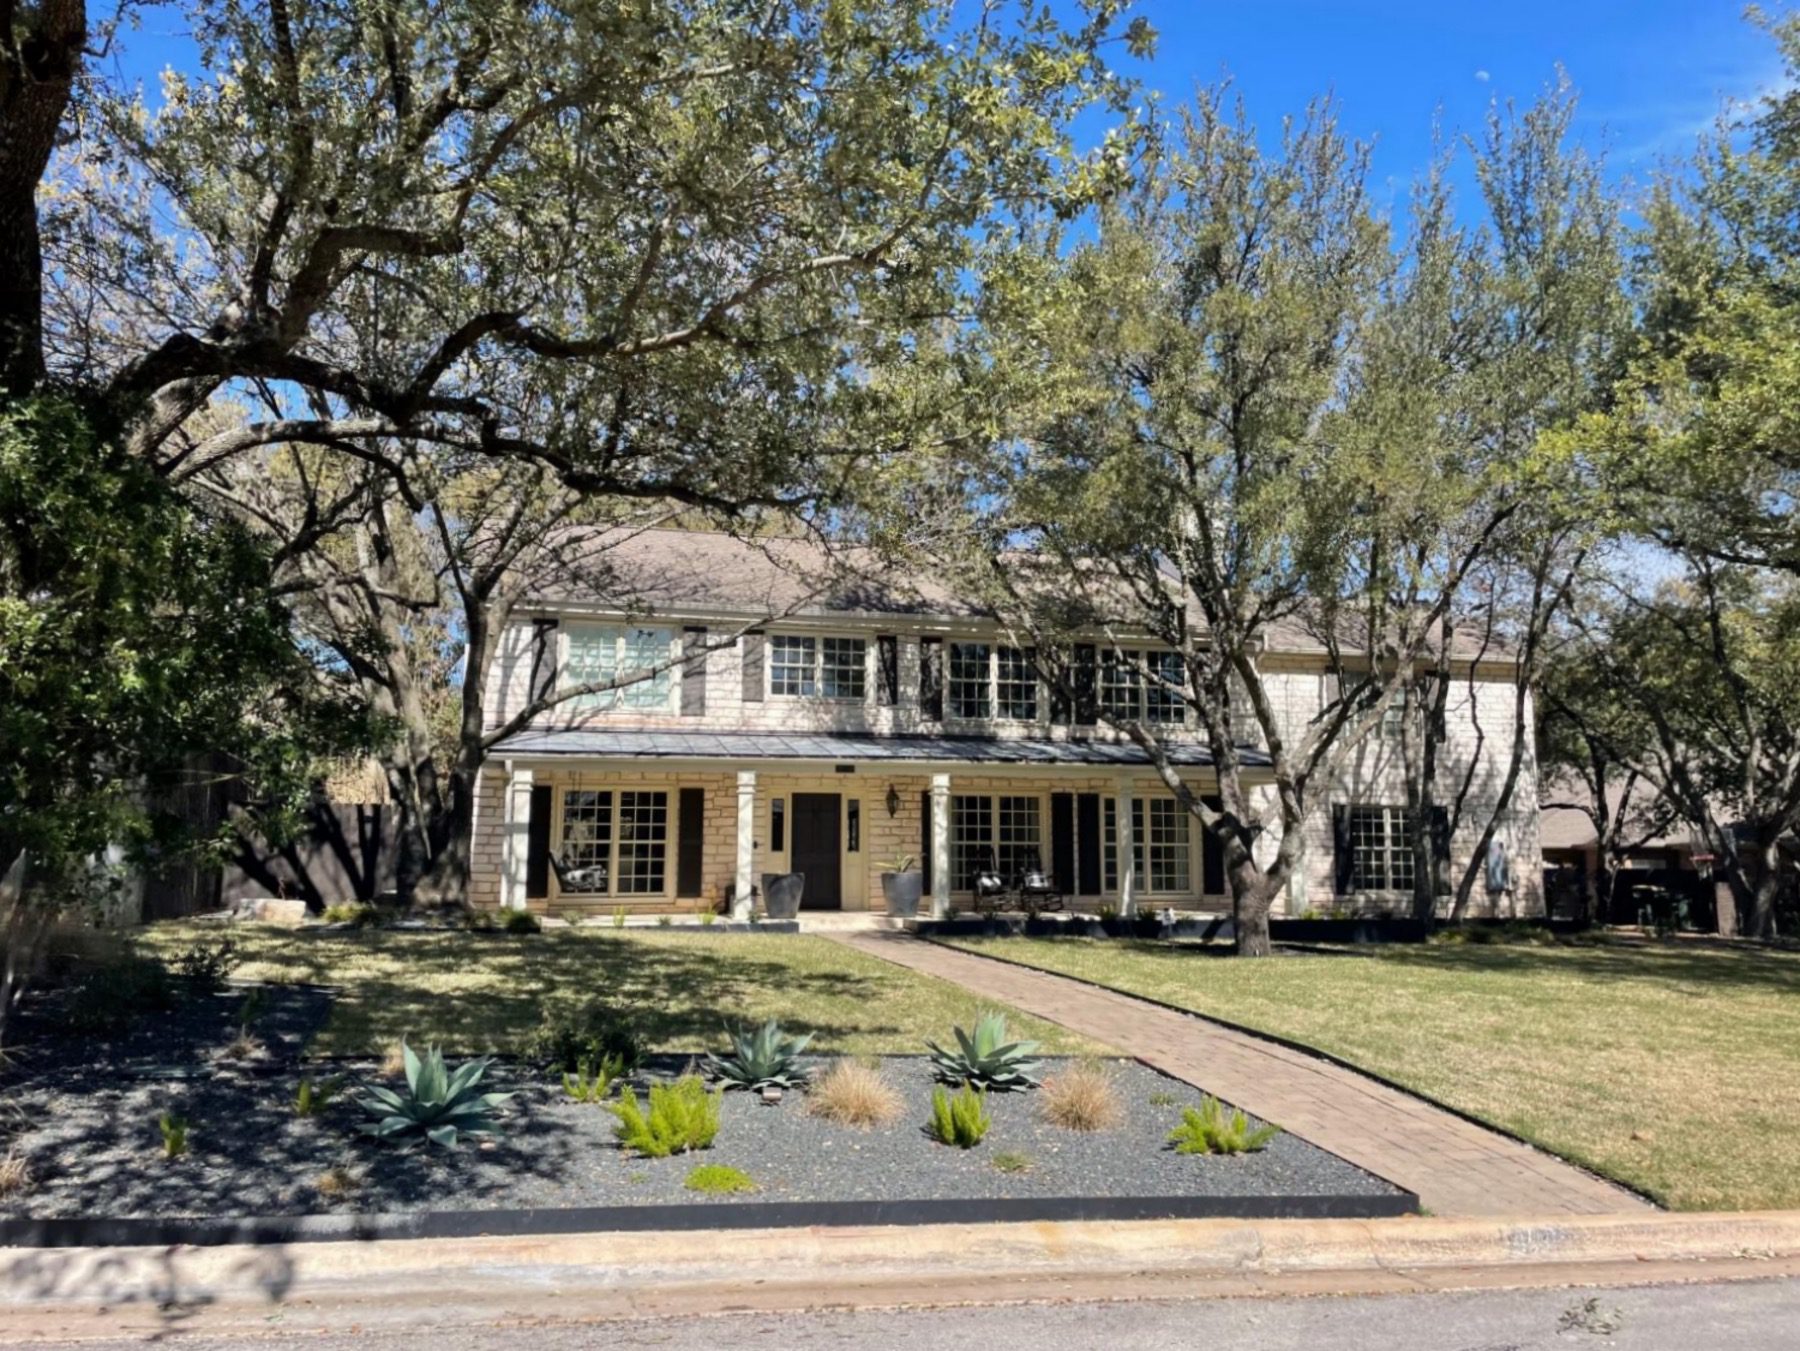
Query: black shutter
x=1440, y=850
x=753, y=668
x=537, y=845
x=1087, y=836
x=693, y=672
x=543, y=658
x=1343, y=856
x=1085, y=711
x=931, y=678
x=1212, y=855
x=925, y=839
x=690, y=834
x=887, y=661
x=1062, y=842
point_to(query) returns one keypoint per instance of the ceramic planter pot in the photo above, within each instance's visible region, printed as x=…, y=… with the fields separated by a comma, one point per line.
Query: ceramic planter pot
x=903, y=892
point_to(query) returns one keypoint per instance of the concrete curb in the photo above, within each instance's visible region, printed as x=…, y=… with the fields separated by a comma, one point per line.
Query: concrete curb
x=590, y=1277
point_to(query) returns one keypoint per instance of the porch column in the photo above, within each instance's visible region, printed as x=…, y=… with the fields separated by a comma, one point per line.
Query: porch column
x=1126, y=851
x=741, y=901
x=941, y=881
x=516, y=842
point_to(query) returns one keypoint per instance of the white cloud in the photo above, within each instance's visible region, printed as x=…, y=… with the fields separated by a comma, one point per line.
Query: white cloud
x=1483, y=76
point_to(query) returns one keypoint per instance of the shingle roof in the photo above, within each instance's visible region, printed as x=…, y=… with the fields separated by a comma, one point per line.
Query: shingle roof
x=669, y=745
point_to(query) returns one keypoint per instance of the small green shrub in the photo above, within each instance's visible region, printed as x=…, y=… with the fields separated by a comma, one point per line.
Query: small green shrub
x=590, y=1032
x=664, y=921
x=437, y=1104
x=521, y=922
x=961, y=1120
x=1011, y=1161
x=312, y=1096
x=1208, y=1130
x=987, y=1060
x=619, y=917
x=113, y=995
x=1163, y=1098
x=708, y=918
x=174, y=1135
x=349, y=912
x=764, y=1058
x=681, y=1117
x=717, y=1179
x=204, y=965
x=591, y=1083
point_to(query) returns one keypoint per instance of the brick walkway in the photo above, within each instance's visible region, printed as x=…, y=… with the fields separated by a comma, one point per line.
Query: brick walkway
x=1457, y=1168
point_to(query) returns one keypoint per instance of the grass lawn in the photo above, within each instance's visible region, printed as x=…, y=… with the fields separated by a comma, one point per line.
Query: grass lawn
x=1673, y=1067
x=477, y=993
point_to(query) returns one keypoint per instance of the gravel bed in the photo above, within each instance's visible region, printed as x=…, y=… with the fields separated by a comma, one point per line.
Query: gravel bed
x=94, y=1150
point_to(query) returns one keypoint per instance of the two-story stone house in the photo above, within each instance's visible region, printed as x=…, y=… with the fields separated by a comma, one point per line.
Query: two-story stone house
x=833, y=730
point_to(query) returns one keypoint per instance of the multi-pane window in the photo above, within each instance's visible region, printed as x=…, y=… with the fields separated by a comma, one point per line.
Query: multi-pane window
x=1015, y=685
x=1165, y=678
x=969, y=690
x=607, y=654
x=1380, y=849
x=793, y=665
x=805, y=666
x=1121, y=690
x=1006, y=831
x=624, y=852
x=1161, y=845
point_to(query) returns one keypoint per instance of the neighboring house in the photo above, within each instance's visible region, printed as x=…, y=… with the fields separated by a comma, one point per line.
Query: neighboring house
x=878, y=719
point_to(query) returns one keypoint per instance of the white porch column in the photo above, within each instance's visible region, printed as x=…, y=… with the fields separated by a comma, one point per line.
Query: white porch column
x=516, y=841
x=941, y=881
x=741, y=900
x=1126, y=851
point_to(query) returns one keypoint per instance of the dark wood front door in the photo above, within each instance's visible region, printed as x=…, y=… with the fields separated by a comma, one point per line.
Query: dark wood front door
x=816, y=849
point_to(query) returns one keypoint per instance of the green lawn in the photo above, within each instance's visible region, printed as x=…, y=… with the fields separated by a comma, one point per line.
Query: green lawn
x=479, y=993
x=1673, y=1067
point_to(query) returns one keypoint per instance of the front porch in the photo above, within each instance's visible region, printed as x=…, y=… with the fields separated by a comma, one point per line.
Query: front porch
x=579, y=834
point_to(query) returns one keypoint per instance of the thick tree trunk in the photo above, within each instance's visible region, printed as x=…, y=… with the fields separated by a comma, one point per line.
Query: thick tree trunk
x=1253, y=894
x=445, y=882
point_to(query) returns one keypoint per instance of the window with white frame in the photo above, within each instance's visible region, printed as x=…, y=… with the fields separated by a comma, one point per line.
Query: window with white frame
x=610, y=654
x=804, y=666
x=1121, y=689
x=1381, y=849
x=1164, y=680
x=971, y=671
x=614, y=842
x=1004, y=830
x=1015, y=683
x=1162, y=849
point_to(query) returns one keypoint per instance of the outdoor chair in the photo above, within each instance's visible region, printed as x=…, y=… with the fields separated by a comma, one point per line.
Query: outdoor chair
x=586, y=881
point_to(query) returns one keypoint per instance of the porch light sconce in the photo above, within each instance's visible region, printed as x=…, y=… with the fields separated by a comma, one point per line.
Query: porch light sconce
x=893, y=800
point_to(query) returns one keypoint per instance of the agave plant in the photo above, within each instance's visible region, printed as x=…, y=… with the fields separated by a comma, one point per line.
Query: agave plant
x=437, y=1104
x=987, y=1061
x=761, y=1059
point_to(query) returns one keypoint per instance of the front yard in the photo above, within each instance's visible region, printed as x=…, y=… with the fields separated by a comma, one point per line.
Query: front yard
x=1672, y=1067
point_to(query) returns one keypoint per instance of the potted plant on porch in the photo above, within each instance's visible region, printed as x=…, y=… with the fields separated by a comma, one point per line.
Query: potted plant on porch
x=902, y=888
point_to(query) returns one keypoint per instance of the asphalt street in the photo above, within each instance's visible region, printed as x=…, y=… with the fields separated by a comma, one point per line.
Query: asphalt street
x=1745, y=1316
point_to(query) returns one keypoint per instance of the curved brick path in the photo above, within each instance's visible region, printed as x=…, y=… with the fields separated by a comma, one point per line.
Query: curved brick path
x=1457, y=1168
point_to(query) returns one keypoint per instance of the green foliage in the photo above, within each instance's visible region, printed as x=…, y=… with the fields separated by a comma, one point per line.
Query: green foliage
x=1011, y=1161
x=664, y=921
x=961, y=1120
x=205, y=965
x=439, y=1105
x=356, y=913
x=761, y=1058
x=592, y=1083
x=987, y=1060
x=1208, y=1130
x=681, y=1117
x=1162, y=1098
x=115, y=993
x=521, y=922
x=591, y=1032
x=708, y=918
x=255, y=1003
x=618, y=917
x=312, y=1096
x=174, y=1134
x=717, y=1179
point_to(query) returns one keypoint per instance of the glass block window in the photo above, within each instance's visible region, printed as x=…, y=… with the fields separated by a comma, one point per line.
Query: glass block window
x=607, y=653
x=647, y=650
x=1166, y=850
x=1121, y=690
x=643, y=843
x=1165, y=679
x=592, y=658
x=971, y=838
x=1016, y=686
x=970, y=674
x=587, y=831
x=793, y=665
x=843, y=668
x=1380, y=849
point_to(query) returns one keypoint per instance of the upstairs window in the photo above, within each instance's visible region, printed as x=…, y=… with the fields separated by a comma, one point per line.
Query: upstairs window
x=802, y=666
x=1016, y=685
x=1165, y=679
x=970, y=695
x=793, y=665
x=599, y=654
x=843, y=668
x=1121, y=690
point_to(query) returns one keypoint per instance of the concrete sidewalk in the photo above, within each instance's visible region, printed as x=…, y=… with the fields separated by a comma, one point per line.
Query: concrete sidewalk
x=1456, y=1167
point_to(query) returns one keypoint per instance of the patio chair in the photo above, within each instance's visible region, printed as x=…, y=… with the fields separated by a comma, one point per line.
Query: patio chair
x=989, y=886
x=586, y=881
x=1036, y=888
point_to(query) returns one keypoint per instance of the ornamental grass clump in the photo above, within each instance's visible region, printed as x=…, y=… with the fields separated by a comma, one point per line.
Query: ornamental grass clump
x=1082, y=1097
x=1210, y=1130
x=987, y=1060
x=718, y=1179
x=437, y=1104
x=681, y=1117
x=593, y=1083
x=761, y=1059
x=961, y=1120
x=853, y=1094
